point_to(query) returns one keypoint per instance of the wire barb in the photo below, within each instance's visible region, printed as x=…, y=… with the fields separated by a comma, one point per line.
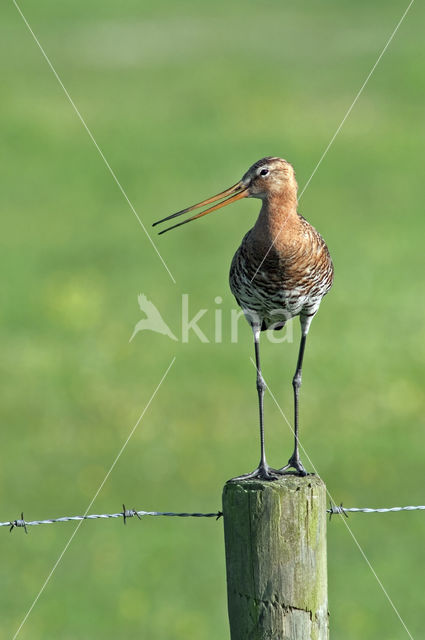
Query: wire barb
x=335, y=509
x=18, y=523
x=129, y=513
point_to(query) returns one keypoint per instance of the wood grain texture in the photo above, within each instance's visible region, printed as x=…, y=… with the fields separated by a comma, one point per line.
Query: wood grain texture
x=275, y=536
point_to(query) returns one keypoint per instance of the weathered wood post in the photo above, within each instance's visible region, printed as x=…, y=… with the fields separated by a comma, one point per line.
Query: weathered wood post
x=275, y=536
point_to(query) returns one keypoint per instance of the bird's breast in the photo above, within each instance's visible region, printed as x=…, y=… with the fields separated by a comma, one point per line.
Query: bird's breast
x=280, y=283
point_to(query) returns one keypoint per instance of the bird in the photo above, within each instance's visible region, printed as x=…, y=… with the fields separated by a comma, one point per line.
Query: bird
x=281, y=270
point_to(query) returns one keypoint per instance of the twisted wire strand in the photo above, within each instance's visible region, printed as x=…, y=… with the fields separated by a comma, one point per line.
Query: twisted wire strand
x=126, y=513
x=130, y=513
x=341, y=510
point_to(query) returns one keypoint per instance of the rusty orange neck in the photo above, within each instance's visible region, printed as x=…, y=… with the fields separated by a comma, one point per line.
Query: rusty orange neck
x=278, y=220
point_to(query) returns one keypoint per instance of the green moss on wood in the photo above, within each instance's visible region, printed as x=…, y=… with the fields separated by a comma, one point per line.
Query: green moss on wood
x=275, y=536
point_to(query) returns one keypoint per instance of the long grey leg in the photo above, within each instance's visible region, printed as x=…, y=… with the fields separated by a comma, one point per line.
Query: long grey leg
x=263, y=470
x=294, y=461
x=261, y=385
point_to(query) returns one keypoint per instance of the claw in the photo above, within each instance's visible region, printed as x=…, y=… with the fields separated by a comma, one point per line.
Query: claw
x=262, y=472
x=293, y=463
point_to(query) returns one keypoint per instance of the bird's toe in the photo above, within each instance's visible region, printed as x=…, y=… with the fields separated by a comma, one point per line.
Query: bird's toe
x=262, y=472
x=293, y=463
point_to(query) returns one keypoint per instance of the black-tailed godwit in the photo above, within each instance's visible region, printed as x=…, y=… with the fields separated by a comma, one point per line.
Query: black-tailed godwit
x=282, y=269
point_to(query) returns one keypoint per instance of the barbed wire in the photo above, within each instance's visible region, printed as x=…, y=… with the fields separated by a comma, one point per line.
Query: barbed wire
x=131, y=513
x=125, y=514
x=341, y=510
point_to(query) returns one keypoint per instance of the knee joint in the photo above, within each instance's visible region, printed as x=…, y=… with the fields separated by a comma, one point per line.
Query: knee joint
x=261, y=385
x=296, y=381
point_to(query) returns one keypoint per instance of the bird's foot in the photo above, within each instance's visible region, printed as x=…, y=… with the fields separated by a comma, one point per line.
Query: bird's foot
x=262, y=472
x=294, y=462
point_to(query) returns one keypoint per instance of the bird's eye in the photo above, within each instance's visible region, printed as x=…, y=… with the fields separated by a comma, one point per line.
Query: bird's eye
x=264, y=172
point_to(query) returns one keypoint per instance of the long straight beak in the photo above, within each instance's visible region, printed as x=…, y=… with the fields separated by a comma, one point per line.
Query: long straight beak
x=238, y=191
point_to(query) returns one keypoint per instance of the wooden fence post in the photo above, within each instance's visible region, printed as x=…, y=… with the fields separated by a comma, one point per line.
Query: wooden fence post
x=275, y=536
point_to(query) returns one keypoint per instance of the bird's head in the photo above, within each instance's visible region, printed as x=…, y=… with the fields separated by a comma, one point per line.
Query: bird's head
x=268, y=178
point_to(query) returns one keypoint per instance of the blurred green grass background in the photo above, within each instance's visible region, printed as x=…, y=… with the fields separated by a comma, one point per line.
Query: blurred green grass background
x=182, y=98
